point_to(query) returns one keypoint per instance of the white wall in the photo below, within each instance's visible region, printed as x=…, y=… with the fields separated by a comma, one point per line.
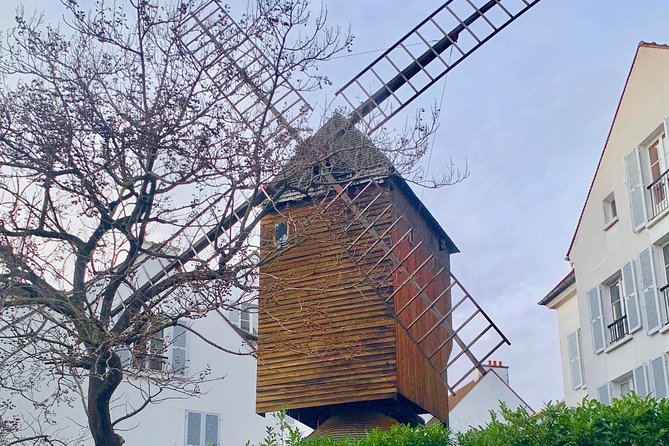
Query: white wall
x=474, y=409
x=566, y=305
x=232, y=397
x=597, y=253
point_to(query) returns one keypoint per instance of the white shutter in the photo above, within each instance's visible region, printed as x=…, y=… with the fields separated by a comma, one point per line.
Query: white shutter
x=178, y=348
x=649, y=291
x=604, y=394
x=211, y=430
x=631, y=300
x=574, y=352
x=193, y=429
x=640, y=381
x=658, y=373
x=636, y=189
x=596, y=320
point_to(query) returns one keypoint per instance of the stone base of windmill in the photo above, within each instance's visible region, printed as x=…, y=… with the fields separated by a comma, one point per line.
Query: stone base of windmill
x=356, y=423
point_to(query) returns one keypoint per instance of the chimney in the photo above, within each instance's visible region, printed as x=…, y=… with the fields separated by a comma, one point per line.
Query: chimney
x=497, y=367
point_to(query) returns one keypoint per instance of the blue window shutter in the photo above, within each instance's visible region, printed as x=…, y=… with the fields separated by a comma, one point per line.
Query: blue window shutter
x=658, y=373
x=596, y=320
x=604, y=394
x=574, y=352
x=631, y=300
x=640, y=381
x=636, y=190
x=649, y=291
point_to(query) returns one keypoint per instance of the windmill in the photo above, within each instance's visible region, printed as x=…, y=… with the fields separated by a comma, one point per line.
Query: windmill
x=390, y=298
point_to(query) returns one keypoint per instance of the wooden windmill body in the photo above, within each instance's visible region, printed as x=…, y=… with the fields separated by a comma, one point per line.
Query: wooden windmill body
x=359, y=310
x=328, y=333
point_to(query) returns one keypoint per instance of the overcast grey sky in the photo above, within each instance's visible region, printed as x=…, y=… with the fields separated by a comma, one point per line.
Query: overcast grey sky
x=528, y=113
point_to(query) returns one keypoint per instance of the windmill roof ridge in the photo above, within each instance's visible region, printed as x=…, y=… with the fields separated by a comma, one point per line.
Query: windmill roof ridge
x=348, y=152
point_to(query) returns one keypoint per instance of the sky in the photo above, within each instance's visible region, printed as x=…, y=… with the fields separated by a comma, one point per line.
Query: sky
x=528, y=114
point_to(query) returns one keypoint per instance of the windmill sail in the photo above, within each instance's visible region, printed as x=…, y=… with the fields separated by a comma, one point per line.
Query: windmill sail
x=446, y=334
x=459, y=25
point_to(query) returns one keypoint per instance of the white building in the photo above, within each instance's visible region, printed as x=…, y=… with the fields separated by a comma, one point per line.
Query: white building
x=222, y=413
x=612, y=308
x=472, y=403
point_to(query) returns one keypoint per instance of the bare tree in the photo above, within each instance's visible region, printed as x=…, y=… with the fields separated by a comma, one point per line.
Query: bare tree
x=118, y=151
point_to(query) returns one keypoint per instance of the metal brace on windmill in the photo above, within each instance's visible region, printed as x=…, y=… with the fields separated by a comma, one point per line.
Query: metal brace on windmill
x=366, y=325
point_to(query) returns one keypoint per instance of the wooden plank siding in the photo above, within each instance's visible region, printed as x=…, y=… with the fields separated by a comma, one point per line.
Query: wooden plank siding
x=325, y=336
x=418, y=381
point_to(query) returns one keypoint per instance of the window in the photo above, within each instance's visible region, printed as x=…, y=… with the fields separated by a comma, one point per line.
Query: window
x=647, y=178
x=280, y=235
x=665, y=258
x=202, y=429
x=657, y=157
x=157, y=354
x=245, y=323
x=150, y=355
x=610, y=211
x=245, y=317
x=614, y=306
x=248, y=320
x=664, y=290
x=624, y=384
x=618, y=327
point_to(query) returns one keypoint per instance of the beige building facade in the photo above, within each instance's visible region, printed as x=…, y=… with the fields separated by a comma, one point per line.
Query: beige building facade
x=612, y=308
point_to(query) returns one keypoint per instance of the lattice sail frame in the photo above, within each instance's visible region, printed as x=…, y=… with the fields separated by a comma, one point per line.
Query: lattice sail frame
x=471, y=23
x=256, y=90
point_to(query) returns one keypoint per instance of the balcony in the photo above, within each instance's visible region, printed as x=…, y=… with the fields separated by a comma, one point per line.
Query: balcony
x=618, y=329
x=659, y=194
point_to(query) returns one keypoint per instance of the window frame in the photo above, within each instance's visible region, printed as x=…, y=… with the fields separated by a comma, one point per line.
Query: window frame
x=203, y=428
x=655, y=189
x=282, y=242
x=610, y=318
x=610, y=210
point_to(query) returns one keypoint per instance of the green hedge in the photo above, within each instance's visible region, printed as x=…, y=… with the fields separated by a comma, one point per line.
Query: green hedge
x=628, y=421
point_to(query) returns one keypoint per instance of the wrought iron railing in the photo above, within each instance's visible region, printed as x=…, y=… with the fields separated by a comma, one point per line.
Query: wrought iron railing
x=618, y=329
x=659, y=194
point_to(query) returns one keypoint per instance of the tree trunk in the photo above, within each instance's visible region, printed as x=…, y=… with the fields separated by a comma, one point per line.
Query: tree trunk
x=101, y=386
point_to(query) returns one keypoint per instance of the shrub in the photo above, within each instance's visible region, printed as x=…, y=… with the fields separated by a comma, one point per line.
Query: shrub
x=628, y=421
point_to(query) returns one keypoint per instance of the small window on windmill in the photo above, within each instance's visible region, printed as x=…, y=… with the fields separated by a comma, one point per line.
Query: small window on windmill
x=281, y=235
x=443, y=246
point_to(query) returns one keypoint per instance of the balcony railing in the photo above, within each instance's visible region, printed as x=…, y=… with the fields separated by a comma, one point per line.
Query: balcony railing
x=618, y=329
x=659, y=194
